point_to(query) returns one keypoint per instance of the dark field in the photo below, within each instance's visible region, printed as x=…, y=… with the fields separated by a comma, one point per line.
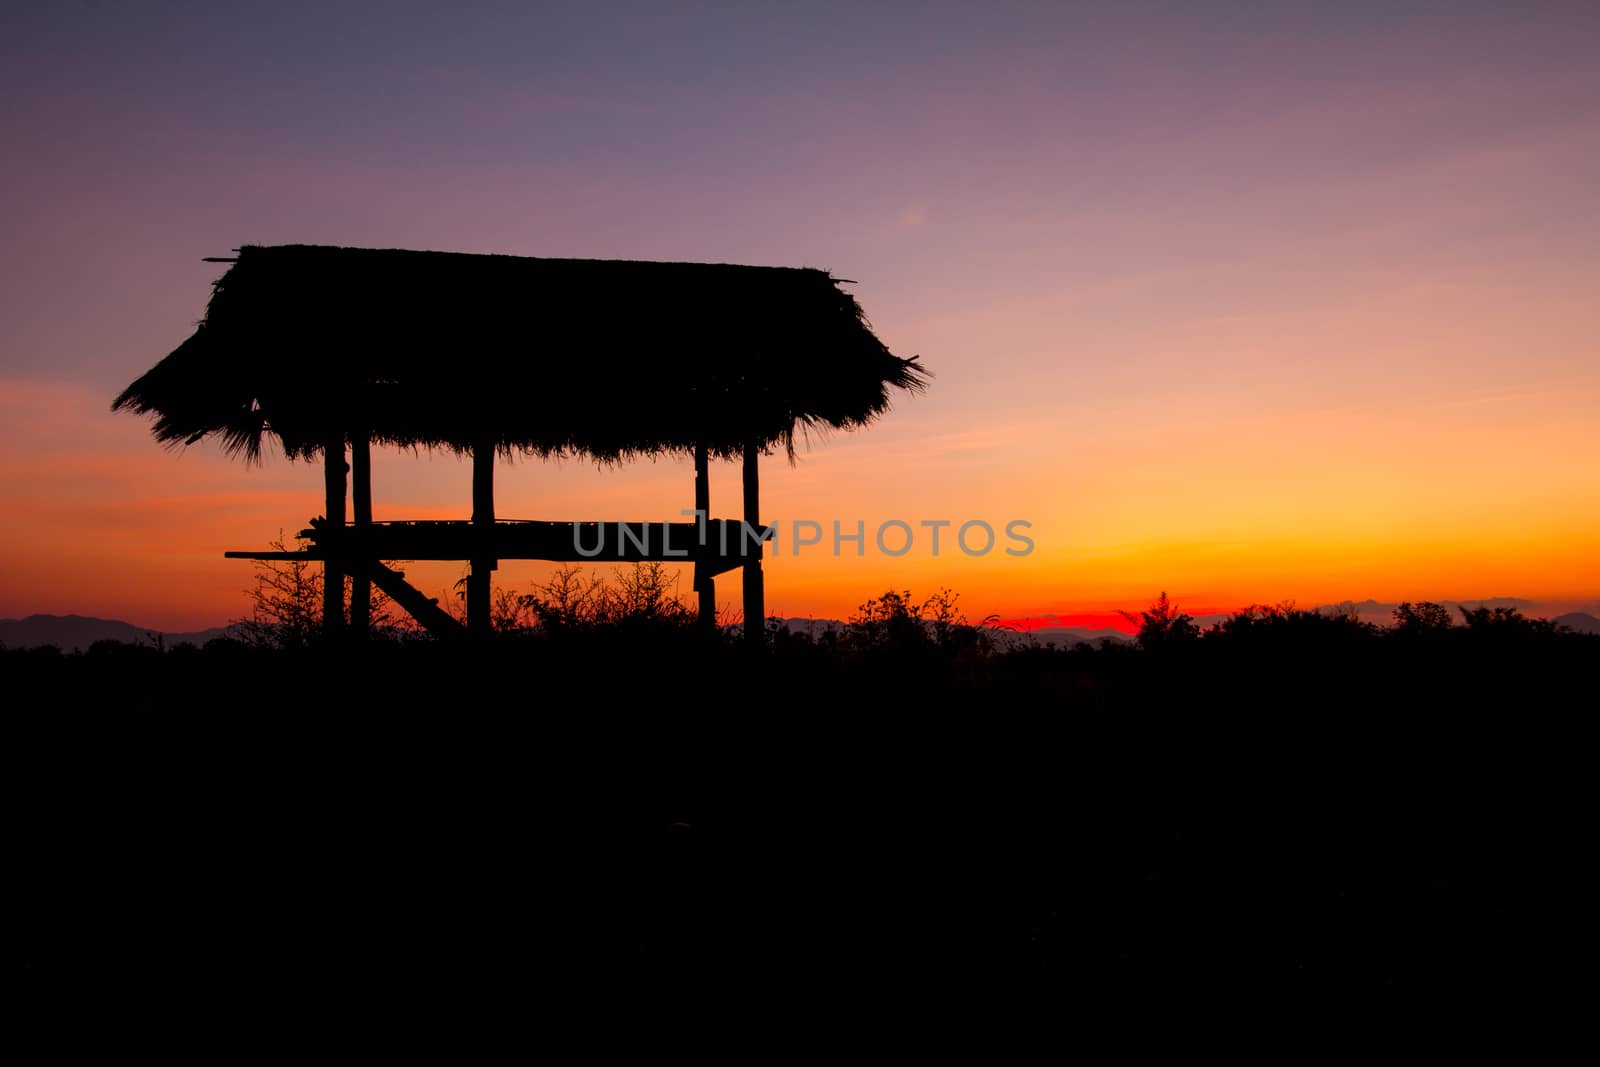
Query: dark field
x=1287, y=810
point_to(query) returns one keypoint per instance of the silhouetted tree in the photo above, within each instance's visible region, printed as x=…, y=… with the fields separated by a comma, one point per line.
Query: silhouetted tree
x=1163, y=625
x=890, y=619
x=1506, y=621
x=1284, y=627
x=896, y=620
x=573, y=599
x=1423, y=617
x=286, y=603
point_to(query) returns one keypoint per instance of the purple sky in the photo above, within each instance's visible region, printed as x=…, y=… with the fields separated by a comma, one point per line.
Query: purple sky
x=1222, y=296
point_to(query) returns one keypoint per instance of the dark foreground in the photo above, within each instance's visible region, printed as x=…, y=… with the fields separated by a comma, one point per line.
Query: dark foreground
x=643, y=812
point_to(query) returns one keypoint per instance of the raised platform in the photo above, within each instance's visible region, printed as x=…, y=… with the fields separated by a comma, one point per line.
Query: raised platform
x=726, y=543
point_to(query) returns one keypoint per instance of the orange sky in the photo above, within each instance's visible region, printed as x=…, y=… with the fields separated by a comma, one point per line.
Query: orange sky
x=1411, y=503
x=1280, y=308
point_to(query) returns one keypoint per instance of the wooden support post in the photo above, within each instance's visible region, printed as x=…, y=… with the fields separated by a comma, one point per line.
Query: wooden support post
x=361, y=507
x=704, y=583
x=755, y=611
x=333, y=472
x=483, y=561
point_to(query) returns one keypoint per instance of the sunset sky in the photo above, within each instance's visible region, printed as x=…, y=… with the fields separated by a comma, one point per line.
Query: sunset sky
x=1247, y=302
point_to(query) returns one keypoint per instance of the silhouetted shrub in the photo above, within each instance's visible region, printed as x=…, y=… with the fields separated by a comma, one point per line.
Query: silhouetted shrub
x=1425, y=617
x=1163, y=626
x=896, y=622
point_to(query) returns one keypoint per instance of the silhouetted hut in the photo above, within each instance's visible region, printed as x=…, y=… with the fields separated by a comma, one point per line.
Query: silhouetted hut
x=320, y=347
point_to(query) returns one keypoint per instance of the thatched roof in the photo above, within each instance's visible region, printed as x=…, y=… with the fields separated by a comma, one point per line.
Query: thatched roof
x=607, y=358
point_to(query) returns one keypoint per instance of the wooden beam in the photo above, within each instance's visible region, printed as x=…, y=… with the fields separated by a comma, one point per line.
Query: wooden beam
x=581, y=542
x=424, y=609
x=755, y=611
x=333, y=472
x=361, y=506
x=704, y=583
x=483, y=561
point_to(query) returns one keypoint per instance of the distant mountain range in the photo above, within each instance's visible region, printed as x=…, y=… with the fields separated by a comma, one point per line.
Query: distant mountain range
x=1383, y=614
x=69, y=632
x=1044, y=635
x=1366, y=610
